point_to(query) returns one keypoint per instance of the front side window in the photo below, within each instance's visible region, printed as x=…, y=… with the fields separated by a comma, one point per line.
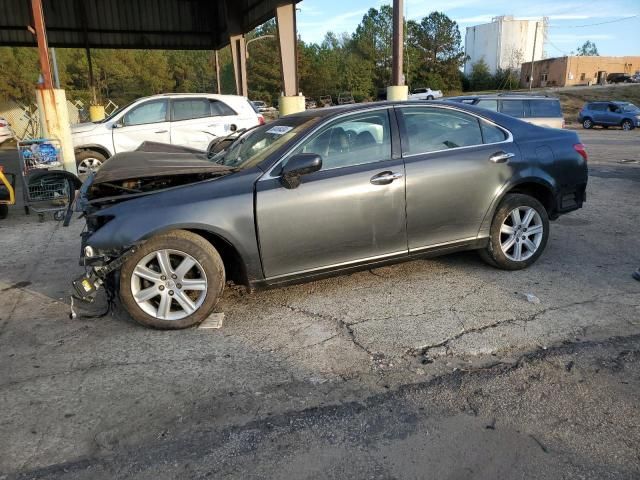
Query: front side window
x=149, y=112
x=188, y=109
x=513, y=108
x=436, y=129
x=355, y=140
x=545, y=108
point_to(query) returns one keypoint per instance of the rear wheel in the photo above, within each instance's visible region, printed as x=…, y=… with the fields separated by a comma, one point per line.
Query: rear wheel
x=4, y=211
x=587, y=123
x=627, y=125
x=429, y=97
x=173, y=281
x=519, y=233
x=88, y=161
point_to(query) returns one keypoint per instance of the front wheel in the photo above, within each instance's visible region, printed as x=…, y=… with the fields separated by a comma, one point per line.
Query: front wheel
x=627, y=125
x=173, y=281
x=519, y=233
x=88, y=161
x=587, y=123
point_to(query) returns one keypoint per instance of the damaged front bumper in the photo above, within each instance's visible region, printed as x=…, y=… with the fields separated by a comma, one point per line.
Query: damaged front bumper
x=97, y=273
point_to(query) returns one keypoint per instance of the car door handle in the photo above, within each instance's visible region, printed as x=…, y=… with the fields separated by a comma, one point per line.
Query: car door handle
x=162, y=131
x=385, y=178
x=501, y=157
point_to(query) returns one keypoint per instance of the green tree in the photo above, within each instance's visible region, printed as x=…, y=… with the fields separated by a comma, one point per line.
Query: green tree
x=588, y=49
x=435, y=52
x=481, y=78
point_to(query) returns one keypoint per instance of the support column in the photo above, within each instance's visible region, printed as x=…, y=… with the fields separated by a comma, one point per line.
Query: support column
x=52, y=103
x=290, y=101
x=239, y=56
x=398, y=90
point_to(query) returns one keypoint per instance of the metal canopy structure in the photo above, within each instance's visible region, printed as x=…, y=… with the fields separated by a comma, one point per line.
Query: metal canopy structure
x=141, y=24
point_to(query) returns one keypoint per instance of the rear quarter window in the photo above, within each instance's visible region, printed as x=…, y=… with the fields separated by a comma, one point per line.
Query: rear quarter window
x=545, y=108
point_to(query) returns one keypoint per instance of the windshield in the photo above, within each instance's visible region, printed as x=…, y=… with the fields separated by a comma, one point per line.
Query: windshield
x=114, y=113
x=629, y=107
x=258, y=143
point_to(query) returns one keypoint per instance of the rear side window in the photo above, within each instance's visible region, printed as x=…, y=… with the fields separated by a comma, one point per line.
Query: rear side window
x=488, y=104
x=187, y=109
x=491, y=133
x=598, y=107
x=219, y=108
x=437, y=129
x=513, y=108
x=545, y=108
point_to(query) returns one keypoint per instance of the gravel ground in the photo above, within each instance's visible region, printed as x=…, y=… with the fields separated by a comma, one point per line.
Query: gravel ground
x=440, y=366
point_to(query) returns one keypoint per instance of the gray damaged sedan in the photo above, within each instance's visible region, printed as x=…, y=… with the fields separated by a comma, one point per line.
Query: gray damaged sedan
x=321, y=193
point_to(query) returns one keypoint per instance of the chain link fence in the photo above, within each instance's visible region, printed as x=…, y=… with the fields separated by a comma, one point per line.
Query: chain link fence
x=24, y=118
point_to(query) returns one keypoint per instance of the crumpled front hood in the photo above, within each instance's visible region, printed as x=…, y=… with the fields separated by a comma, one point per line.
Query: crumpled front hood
x=83, y=127
x=134, y=165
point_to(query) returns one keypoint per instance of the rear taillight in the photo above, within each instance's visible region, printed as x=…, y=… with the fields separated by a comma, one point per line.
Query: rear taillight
x=260, y=119
x=578, y=147
x=2, y=124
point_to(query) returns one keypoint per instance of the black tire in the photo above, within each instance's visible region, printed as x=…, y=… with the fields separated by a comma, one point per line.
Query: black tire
x=429, y=97
x=493, y=253
x=88, y=156
x=587, y=123
x=627, y=125
x=188, y=243
x=4, y=211
x=605, y=127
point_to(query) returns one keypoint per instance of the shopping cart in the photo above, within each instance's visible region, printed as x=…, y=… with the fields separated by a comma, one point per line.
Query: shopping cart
x=46, y=187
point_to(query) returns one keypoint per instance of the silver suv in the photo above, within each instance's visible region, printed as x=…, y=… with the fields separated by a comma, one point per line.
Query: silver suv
x=540, y=110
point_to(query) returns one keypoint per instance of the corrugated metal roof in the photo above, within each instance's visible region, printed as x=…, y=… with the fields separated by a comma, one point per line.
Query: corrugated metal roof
x=153, y=24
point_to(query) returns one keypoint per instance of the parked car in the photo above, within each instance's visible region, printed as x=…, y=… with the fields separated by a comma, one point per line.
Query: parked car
x=608, y=114
x=425, y=94
x=310, y=103
x=260, y=105
x=320, y=193
x=540, y=110
x=192, y=120
x=618, y=78
x=326, y=101
x=345, y=98
x=5, y=130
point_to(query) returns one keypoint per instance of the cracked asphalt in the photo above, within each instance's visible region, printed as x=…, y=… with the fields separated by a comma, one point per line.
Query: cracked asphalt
x=433, y=368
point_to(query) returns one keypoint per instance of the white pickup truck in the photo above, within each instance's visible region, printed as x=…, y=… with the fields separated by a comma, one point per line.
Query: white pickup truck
x=424, y=94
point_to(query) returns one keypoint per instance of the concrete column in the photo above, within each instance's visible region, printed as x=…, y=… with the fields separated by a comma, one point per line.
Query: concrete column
x=290, y=101
x=398, y=90
x=54, y=118
x=239, y=56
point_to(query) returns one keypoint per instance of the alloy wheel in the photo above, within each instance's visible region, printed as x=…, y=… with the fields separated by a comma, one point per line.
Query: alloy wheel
x=88, y=165
x=626, y=125
x=587, y=124
x=521, y=233
x=169, y=284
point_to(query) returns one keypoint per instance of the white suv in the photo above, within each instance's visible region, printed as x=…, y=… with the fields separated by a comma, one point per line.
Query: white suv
x=191, y=120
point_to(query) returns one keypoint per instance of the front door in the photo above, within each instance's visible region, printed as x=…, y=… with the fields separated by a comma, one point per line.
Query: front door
x=148, y=121
x=456, y=164
x=350, y=211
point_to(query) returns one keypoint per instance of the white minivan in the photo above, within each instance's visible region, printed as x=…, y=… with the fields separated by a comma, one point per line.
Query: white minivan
x=190, y=120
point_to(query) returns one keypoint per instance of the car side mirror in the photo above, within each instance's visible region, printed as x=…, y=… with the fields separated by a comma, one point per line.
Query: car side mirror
x=297, y=166
x=116, y=125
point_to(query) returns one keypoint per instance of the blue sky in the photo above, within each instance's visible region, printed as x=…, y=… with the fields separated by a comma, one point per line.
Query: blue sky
x=566, y=19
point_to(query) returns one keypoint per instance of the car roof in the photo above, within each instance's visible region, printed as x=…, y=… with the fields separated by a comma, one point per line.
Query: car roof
x=503, y=96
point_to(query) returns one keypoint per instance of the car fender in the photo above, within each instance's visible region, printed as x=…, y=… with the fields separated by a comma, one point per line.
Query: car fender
x=95, y=147
x=537, y=176
x=205, y=206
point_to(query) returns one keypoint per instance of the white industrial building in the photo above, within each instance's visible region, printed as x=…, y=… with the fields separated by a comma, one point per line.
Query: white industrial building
x=505, y=43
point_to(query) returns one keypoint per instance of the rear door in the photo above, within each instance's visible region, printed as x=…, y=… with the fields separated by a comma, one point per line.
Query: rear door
x=195, y=122
x=455, y=164
x=147, y=121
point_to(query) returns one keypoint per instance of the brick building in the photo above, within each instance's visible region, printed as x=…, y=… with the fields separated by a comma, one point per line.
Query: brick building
x=576, y=70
